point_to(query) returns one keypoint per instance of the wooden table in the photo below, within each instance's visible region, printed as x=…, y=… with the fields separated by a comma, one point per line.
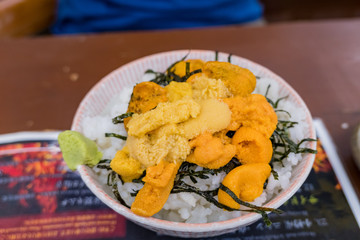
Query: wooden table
x=44, y=79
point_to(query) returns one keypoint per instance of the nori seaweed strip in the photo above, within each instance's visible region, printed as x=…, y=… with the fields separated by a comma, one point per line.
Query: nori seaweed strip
x=260, y=210
x=208, y=195
x=104, y=164
x=182, y=59
x=185, y=170
x=104, y=161
x=273, y=104
x=193, y=179
x=118, y=196
x=230, y=134
x=267, y=91
x=229, y=58
x=265, y=217
x=115, y=135
x=112, y=175
x=275, y=174
x=108, y=180
x=216, y=55
x=246, y=204
x=120, y=118
x=278, y=100
x=165, y=78
x=280, y=139
x=190, y=74
x=160, y=78
x=107, y=167
x=139, y=179
x=279, y=110
x=187, y=69
x=265, y=183
x=134, y=193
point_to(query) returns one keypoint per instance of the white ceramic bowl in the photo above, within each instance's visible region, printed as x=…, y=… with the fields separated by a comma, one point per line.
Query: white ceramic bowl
x=127, y=75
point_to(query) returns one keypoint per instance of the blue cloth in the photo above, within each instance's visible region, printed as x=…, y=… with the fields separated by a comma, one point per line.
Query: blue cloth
x=81, y=16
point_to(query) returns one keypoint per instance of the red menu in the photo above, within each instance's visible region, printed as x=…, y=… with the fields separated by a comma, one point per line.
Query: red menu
x=41, y=199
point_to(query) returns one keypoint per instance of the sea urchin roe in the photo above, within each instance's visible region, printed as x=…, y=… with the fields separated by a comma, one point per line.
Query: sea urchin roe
x=159, y=181
x=210, y=152
x=252, y=111
x=127, y=167
x=240, y=81
x=151, y=149
x=197, y=115
x=164, y=113
x=145, y=96
x=246, y=182
x=214, y=116
x=178, y=90
x=170, y=141
x=205, y=88
x=180, y=67
x=252, y=146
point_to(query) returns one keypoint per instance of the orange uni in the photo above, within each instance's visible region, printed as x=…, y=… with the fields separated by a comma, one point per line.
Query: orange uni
x=145, y=96
x=252, y=146
x=159, y=181
x=252, y=111
x=246, y=182
x=240, y=81
x=210, y=152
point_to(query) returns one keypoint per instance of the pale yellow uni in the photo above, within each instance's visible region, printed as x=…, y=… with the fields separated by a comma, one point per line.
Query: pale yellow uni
x=164, y=113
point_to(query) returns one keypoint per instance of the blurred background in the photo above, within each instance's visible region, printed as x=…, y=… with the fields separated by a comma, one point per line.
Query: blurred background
x=20, y=18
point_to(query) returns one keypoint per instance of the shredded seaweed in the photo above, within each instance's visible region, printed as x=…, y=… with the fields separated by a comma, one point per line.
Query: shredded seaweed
x=229, y=58
x=280, y=110
x=230, y=134
x=103, y=167
x=265, y=183
x=260, y=210
x=210, y=197
x=275, y=174
x=120, y=118
x=187, y=169
x=113, y=178
x=104, y=164
x=139, y=179
x=187, y=69
x=134, y=193
x=104, y=161
x=282, y=144
x=164, y=78
x=265, y=217
x=275, y=104
x=246, y=204
x=116, y=136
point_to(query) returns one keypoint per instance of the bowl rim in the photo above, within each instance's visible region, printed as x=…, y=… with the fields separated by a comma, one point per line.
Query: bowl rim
x=85, y=172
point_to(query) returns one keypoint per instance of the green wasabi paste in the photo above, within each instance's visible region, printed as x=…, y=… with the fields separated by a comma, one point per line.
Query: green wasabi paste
x=78, y=149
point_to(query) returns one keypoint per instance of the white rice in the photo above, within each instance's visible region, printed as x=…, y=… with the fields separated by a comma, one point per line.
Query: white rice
x=188, y=207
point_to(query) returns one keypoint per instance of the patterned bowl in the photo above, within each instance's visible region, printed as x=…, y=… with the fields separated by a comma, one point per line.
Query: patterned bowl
x=127, y=75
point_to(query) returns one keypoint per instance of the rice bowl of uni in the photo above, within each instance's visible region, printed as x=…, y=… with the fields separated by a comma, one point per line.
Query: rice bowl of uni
x=103, y=94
